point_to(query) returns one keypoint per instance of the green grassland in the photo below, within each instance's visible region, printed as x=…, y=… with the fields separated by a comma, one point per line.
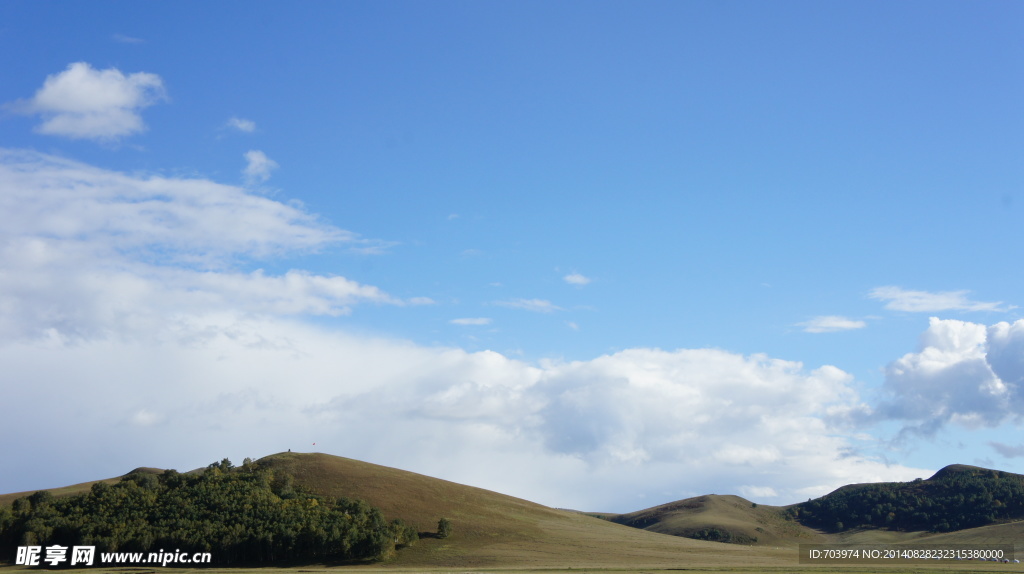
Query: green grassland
x=493, y=532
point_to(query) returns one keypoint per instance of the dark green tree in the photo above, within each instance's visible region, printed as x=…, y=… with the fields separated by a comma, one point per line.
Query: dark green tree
x=444, y=528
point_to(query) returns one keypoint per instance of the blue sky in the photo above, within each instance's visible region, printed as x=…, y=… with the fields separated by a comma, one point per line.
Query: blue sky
x=551, y=249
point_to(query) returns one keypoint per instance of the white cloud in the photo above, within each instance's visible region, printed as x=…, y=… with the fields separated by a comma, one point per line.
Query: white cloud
x=964, y=373
x=84, y=103
x=577, y=279
x=537, y=305
x=1005, y=352
x=899, y=299
x=468, y=321
x=85, y=251
x=831, y=324
x=242, y=125
x=187, y=219
x=258, y=168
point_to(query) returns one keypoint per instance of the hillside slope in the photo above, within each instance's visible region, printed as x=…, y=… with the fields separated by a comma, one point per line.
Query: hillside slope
x=492, y=529
x=724, y=518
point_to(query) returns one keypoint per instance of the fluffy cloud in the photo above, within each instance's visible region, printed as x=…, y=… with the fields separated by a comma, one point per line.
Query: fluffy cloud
x=899, y=299
x=84, y=103
x=964, y=373
x=258, y=167
x=831, y=324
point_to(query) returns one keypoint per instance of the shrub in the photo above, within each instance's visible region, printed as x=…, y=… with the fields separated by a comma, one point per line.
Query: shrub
x=444, y=528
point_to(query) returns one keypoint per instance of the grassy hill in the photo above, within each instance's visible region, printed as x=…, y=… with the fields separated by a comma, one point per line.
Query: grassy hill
x=492, y=529
x=725, y=518
x=960, y=504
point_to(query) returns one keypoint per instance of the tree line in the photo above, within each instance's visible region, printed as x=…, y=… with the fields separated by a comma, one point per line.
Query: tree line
x=244, y=514
x=949, y=501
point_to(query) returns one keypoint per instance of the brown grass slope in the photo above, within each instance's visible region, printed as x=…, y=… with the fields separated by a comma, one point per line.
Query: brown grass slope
x=745, y=522
x=496, y=530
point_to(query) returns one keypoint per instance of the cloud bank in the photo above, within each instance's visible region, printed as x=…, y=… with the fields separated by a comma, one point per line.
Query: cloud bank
x=619, y=432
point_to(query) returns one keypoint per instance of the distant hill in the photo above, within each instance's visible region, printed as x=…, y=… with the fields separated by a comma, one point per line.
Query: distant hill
x=955, y=498
x=968, y=502
x=721, y=518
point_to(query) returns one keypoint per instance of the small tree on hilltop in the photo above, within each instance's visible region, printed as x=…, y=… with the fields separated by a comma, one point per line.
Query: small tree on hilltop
x=444, y=528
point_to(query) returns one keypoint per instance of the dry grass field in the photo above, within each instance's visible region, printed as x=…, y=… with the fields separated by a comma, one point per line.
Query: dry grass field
x=497, y=533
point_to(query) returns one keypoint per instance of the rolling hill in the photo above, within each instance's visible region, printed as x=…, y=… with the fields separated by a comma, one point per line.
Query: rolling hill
x=960, y=504
x=722, y=518
x=492, y=530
